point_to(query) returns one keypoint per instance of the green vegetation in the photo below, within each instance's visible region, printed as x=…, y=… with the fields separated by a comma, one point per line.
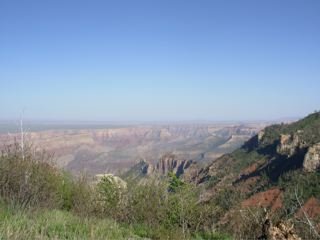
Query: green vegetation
x=244, y=159
x=57, y=224
x=39, y=201
x=299, y=184
x=309, y=128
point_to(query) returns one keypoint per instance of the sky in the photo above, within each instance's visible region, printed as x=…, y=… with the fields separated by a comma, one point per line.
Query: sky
x=159, y=60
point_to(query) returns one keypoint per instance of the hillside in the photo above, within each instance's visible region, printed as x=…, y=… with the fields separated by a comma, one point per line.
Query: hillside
x=278, y=169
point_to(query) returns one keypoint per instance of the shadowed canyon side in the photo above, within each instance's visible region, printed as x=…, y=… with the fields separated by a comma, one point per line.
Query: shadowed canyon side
x=277, y=170
x=117, y=149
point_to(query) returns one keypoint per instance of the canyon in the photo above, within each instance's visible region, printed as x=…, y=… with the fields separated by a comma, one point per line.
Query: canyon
x=115, y=149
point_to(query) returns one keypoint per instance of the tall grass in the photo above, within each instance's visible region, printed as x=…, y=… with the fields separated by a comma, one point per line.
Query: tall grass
x=57, y=224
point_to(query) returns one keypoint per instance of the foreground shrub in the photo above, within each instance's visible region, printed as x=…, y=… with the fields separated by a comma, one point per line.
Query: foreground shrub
x=83, y=197
x=29, y=180
x=111, y=196
x=32, y=180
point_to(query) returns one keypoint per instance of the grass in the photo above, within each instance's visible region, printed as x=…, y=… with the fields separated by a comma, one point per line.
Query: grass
x=57, y=224
x=42, y=224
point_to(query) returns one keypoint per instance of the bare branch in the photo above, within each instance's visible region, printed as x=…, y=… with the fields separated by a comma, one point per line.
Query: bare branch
x=312, y=227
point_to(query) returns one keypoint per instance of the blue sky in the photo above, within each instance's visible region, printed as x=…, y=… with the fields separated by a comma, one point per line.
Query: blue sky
x=159, y=60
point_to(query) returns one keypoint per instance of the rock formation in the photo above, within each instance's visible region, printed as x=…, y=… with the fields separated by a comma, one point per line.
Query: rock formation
x=290, y=143
x=260, y=135
x=169, y=163
x=112, y=178
x=281, y=231
x=311, y=161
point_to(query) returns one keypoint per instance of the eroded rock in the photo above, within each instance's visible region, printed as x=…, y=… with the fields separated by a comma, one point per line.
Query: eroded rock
x=169, y=163
x=281, y=231
x=311, y=161
x=290, y=144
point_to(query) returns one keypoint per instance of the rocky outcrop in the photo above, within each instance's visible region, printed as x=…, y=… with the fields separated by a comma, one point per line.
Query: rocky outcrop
x=112, y=179
x=281, y=231
x=149, y=169
x=311, y=161
x=290, y=144
x=260, y=135
x=169, y=163
x=254, y=142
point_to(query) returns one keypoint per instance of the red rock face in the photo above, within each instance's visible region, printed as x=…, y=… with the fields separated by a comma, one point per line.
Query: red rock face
x=271, y=198
x=250, y=169
x=311, y=208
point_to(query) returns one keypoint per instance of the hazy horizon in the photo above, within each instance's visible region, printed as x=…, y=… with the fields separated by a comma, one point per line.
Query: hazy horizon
x=154, y=61
x=13, y=125
x=90, y=121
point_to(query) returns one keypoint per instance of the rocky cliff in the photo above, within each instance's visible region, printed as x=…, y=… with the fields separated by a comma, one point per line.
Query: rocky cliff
x=167, y=163
x=170, y=163
x=311, y=161
x=291, y=143
x=278, y=169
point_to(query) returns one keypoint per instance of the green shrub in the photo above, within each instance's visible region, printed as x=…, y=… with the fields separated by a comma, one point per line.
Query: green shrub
x=110, y=197
x=304, y=185
x=84, y=199
x=174, y=182
x=29, y=180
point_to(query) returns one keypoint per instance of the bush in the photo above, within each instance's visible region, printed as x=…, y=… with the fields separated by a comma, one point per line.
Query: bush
x=147, y=202
x=29, y=180
x=245, y=223
x=111, y=197
x=84, y=197
x=32, y=180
